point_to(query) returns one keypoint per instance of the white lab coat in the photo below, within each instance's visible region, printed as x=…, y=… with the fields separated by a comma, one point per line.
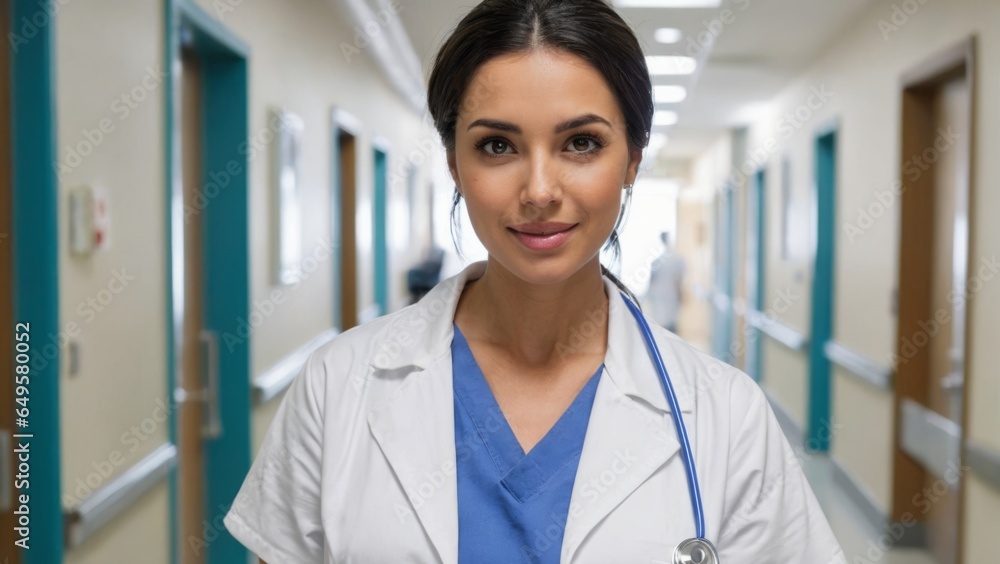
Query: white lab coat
x=358, y=465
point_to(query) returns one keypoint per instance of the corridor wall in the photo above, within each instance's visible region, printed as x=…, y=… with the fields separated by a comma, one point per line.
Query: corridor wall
x=856, y=81
x=111, y=98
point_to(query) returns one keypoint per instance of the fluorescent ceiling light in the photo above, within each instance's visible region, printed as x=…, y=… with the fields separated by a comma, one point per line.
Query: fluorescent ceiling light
x=669, y=94
x=668, y=3
x=664, y=117
x=667, y=35
x=664, y=65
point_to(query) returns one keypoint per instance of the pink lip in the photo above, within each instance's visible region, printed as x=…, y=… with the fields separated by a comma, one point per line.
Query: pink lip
x=543, y=242
x=542, y=227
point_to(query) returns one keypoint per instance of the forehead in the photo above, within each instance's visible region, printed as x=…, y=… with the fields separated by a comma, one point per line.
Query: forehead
x=539, y=86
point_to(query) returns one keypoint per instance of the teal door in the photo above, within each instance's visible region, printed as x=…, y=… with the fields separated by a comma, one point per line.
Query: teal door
x=379, y=236
x=821, y=325
x=755, y=262
x=221, y=208
x=725, y=245
x=35, y=249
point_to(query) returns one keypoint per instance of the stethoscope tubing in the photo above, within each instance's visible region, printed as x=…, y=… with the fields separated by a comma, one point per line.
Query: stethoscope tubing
x=686, y=454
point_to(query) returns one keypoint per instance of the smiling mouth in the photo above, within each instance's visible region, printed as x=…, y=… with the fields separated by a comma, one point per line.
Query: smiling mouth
x=546, y=234
x=543, y=242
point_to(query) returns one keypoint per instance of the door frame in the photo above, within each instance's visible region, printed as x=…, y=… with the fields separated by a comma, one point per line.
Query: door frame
x=821, y=317
x=226, y=147
x=911, y=381
x=35, y=248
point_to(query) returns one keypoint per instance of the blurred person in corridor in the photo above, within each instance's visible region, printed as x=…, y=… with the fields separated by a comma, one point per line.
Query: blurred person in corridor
x=666, y=285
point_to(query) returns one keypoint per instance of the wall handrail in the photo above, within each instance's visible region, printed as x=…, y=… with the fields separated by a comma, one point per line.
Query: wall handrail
x=928, y=437
x=775, y=329
x=984, y=461
x=276, y=379
x=112, y=499
x=859, y=365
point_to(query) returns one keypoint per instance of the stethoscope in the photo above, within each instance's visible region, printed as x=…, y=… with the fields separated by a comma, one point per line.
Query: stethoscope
x=697, y=550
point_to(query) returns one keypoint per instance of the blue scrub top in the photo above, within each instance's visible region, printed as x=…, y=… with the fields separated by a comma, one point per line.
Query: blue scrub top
x=512, y=506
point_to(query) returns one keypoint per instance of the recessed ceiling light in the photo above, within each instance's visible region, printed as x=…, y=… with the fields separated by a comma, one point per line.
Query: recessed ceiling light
x=664, y=65
x=664, y=117
x=668, y=3
x=667, y=35
x=669, y=94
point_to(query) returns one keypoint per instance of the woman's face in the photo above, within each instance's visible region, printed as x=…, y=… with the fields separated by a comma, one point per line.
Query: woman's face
x=541, y=147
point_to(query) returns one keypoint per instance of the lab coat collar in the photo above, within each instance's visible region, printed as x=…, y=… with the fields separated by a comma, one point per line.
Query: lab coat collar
x=627, y=359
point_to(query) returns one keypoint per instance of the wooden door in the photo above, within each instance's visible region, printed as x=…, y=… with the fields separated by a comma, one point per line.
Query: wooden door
x=347, y=157
x=933, y=274
x=948, y=253
x=191, y=458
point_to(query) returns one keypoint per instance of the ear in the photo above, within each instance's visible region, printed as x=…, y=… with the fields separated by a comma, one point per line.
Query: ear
x=634, y=160
x=453, y=169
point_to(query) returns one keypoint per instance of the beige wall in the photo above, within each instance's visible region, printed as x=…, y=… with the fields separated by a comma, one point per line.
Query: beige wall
x=784, y=377
x=110, y=416
x=310, y=33
x=862, y=72
x=866, y=416
x=695, y=245
x=982, y=503
x=706, y=179
x=103, y=52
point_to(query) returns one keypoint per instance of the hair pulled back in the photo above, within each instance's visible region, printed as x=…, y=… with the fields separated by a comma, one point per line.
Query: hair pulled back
x=589, y=29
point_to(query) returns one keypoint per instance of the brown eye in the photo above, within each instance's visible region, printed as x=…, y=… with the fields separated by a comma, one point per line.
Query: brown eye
x=586, y=145
x=498, y=146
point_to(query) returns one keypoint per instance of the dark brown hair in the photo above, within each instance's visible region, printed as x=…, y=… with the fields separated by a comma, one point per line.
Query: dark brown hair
x=589, y=29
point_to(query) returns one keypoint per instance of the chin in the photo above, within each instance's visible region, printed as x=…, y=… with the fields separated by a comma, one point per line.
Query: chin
x=542, y=269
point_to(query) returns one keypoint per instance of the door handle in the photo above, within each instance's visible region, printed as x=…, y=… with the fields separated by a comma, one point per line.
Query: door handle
x=208, y=395
x=953, y=382
x=212, y=427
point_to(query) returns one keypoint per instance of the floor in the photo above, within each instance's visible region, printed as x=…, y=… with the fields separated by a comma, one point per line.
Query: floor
x=857, y=537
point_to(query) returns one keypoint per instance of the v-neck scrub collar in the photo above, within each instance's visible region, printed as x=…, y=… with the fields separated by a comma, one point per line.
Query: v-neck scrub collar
x=508, y=500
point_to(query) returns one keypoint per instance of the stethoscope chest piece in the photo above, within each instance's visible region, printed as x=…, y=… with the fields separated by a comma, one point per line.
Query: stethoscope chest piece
x=695, y=551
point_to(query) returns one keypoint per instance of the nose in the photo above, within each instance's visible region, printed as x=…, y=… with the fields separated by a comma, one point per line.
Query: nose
x=543, y=185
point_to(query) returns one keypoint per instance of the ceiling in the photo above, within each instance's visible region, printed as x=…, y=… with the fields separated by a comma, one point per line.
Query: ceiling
x=749, y=59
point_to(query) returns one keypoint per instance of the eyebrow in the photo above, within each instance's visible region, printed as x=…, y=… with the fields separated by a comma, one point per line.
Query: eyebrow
x=560, y=127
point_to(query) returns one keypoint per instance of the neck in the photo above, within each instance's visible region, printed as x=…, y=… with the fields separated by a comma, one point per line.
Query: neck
x=538, y=325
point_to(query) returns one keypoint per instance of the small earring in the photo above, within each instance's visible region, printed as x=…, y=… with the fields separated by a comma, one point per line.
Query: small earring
x=627, y=187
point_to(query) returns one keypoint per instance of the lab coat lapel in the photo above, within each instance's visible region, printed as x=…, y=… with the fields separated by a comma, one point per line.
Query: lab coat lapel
x=630, y=434
x=625, y=444
x=416, y=431
x=415, y=425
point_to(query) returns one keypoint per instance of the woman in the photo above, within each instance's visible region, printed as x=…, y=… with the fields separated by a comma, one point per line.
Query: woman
x=514, y=413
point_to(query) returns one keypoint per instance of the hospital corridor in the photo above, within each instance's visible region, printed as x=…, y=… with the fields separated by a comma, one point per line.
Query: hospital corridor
x=198, y=195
